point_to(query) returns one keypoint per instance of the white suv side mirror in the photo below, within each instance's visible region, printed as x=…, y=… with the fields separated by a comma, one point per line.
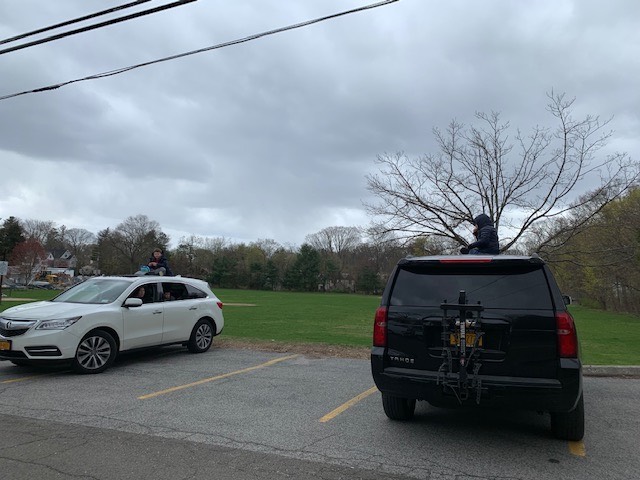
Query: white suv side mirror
x=132, y=302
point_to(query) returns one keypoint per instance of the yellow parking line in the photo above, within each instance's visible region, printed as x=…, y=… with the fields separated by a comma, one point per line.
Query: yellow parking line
x=22, y=379
x=349, y=404
x=578, y=449
x=219, y=377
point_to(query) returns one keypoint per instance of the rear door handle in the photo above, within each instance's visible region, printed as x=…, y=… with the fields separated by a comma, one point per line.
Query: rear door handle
x=193, y=308
x=157, y=312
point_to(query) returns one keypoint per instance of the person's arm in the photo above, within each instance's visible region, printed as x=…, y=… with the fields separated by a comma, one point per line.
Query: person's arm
x=484, y=238
x=162, y=262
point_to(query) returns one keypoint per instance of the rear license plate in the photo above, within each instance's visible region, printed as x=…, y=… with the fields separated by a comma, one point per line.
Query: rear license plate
x=470, y=337
x=5, y=344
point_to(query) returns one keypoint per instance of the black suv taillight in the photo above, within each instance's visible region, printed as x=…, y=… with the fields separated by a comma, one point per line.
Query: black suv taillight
x=567, y=335
x=380, y=328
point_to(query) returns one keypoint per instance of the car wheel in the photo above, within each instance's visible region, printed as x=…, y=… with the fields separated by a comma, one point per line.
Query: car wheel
x=398, y=408
x=569, y=425
x=201, y=337
x=95, y=353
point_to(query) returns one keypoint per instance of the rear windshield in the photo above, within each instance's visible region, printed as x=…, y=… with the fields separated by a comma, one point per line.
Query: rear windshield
x=521, y=289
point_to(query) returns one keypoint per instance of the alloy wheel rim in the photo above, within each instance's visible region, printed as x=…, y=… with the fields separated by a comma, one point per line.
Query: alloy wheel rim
x=203, y=336
x=93, y=353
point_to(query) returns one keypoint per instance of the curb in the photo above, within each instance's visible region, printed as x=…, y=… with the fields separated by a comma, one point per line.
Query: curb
x=611, y=371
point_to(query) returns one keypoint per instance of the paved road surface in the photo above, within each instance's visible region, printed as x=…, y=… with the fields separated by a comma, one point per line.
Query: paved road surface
x=242, y=414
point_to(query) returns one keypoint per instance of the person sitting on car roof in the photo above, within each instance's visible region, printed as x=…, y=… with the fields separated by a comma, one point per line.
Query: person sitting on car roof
x=158, y=264
x=486, y=237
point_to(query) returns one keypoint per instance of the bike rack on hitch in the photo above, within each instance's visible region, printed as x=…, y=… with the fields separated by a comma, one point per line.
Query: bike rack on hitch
x=459, y=384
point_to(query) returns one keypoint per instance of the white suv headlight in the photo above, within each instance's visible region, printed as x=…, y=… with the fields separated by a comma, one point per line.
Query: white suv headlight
x=58, y=324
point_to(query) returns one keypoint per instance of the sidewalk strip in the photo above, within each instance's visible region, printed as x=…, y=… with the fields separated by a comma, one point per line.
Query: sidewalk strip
x=219, y=377
x=349, y=404
x=578, y=449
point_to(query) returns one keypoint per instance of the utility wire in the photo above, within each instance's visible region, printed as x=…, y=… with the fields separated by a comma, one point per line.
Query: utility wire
x=96, y=25
x=206, y=49
x=69, y=22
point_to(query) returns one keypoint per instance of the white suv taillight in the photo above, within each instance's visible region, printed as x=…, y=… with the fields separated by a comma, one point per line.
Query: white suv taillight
x=380, y=328
x=567, y=335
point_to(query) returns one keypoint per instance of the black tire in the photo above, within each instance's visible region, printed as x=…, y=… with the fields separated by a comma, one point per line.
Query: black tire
x=201, y=336
x=398, y=408
x=569, y=425
x=95, y=352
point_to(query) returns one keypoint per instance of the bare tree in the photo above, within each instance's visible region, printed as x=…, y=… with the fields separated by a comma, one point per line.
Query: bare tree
x=136, y=237
x=80, y=243
x=335, y=239
x=518, y=185
x=336, y=247
x=267, y=246
x=215, y=245
x=39, y=230
x=77, y=238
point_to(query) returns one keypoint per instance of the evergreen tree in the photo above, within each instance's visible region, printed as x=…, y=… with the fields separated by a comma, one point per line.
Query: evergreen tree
x=11, y=234
x=305, y=272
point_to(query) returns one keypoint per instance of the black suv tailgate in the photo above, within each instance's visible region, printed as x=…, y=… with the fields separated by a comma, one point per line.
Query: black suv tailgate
x=517, y=318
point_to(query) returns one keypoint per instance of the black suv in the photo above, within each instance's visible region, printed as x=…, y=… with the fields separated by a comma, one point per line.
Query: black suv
x=481, y=331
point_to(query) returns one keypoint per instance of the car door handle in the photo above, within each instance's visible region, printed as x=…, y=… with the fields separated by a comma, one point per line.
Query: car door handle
x=193, y=308
x=156, y=312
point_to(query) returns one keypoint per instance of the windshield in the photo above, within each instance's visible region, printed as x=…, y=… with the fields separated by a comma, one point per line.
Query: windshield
x=94, y=291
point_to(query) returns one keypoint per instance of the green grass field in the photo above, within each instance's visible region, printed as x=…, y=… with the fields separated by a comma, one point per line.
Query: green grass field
x=341, y=319
x=607, y=338
x=338, y=319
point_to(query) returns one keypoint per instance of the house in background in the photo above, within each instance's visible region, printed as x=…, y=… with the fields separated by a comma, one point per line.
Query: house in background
x=61, y=259
x=57, y=268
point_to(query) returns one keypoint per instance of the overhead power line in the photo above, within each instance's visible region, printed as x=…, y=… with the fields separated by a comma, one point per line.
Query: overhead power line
x=70, y=22
x=201, y=50
x=96, y=25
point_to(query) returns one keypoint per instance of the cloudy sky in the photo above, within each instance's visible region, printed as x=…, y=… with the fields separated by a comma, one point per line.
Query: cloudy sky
x=274, y=138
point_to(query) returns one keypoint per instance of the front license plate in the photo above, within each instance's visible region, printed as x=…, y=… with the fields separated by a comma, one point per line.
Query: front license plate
x=5, y=344
x=470, y=337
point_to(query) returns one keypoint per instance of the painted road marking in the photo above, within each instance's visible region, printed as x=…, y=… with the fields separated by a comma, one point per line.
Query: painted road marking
x=22, y=379
x=218, y=377
x=349, y=404
x=578, y=449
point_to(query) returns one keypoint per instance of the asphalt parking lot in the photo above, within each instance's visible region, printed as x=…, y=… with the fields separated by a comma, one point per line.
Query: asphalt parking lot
x=318, y=411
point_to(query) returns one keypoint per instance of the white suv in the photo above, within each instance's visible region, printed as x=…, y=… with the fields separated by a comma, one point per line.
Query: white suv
x=91, y=322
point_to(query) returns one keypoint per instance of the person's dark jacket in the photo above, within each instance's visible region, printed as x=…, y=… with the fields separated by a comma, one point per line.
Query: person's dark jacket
x=487, y=236
x=162, y=262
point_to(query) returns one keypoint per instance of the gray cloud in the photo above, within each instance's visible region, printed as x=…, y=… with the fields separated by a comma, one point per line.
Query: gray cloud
x=273, y=138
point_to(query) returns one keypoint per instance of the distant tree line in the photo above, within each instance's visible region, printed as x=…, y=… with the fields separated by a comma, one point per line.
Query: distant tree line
x=333, y=259
x=598, y=266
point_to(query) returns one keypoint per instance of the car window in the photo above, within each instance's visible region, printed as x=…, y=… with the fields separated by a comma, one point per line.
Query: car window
x=195, y=292
x=521, y=289
x=148, y=292
x=94, y=291
x=174, y=291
